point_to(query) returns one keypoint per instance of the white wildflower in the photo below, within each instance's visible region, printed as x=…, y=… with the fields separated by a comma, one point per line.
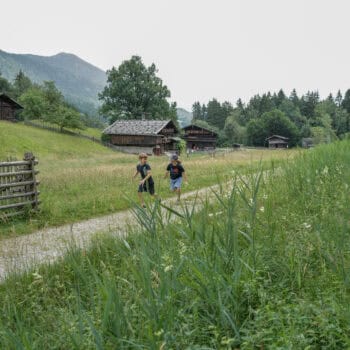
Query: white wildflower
x=262, y=209
x=306, y=225
x=159, y=333
x=183, y=248
x=168, y=268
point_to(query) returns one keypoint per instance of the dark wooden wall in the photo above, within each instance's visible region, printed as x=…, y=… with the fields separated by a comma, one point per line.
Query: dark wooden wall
x=135, y=140
x=7, y=112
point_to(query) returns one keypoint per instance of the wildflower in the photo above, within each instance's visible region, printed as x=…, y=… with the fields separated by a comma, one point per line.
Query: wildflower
x=325, y=170
x=182, y=248
x=265, y=196
x=168, y=268
x=262, y=209
x=159, y=333
x=306, y=225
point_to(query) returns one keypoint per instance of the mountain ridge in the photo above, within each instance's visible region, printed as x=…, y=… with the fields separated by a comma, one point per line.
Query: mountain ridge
x=78, y=80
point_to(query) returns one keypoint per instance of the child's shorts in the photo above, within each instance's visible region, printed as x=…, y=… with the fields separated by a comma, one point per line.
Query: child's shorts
x=147, y=187
x=175, y=183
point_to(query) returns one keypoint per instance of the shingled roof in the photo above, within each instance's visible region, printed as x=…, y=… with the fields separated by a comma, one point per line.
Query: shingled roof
x=278, y=137
x=137, y=127
x=10, y=101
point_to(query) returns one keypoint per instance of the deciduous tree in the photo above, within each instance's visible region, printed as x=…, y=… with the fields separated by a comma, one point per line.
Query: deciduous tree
x=134, y=91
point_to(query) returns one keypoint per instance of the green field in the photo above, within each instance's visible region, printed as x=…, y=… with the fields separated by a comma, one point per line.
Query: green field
x=80, y=179
x=93, y=132
x=266, y=266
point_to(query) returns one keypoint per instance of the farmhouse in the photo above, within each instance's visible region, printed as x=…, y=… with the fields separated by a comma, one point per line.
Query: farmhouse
x=277, y=141
x=199, y=138
x=150, y=136
x=8, y=108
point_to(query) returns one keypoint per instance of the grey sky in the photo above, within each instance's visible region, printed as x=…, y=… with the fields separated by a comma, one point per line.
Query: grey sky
x=203, y=49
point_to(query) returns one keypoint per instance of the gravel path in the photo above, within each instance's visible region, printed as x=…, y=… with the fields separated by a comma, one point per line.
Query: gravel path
x=20, y=253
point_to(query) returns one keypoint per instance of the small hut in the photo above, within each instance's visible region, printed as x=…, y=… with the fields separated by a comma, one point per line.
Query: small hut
x=198, y=138
x=8, y=108
x=277, y=141
x=149, y=136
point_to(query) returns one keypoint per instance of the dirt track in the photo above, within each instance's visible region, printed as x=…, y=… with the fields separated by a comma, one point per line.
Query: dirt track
x=19, y=253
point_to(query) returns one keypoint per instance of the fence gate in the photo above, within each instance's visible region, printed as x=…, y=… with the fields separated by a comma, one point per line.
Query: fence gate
x=18, y=187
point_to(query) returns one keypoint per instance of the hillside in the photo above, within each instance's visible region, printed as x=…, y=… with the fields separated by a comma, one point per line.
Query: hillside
x=81, y=179
x=16, y=139
x=79, y=81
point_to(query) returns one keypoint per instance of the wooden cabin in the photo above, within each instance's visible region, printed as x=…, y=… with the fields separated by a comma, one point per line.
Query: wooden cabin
x=198, y=138
x=8, y=108
x=149, y=136
x=277, y=141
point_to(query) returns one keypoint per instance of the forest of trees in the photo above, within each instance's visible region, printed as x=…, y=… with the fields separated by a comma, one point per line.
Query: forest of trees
x=292, y=116
x=44, y=102
x=134, y=91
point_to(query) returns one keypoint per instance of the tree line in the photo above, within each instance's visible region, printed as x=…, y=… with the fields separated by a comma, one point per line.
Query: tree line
x=293, y=116
x=44, y=102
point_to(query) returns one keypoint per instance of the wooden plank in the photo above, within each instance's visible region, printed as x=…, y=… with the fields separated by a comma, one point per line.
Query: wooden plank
x=16, y=205
x=24, y=172
x=19, y=195
x=17, y=184
x=17, y=163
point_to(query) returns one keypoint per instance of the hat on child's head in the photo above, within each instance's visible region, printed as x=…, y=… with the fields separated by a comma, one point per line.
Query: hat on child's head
x=174, y=157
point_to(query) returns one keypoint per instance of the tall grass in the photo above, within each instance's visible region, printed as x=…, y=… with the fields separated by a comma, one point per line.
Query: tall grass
x=264, y=266
x=80, y=179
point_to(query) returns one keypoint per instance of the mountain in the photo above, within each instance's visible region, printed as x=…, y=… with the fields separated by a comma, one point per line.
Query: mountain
x=184, y=117
x=79, y=81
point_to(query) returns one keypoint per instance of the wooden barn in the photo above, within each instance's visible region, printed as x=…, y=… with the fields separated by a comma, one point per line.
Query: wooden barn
x=277, y=141
x=8, y=108
x=150, y=136
x=198, y=138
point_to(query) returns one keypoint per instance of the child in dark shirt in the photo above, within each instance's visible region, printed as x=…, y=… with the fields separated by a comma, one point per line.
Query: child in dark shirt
x=146, y=184
x=176, y=171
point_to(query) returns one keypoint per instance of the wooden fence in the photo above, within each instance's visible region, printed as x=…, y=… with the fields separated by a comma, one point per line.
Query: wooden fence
x=18, y=187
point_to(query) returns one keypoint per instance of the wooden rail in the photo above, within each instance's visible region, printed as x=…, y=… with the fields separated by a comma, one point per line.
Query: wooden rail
x=18, y=187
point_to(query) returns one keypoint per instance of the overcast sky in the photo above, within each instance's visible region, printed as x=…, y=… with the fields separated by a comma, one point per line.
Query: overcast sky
x=203, y=49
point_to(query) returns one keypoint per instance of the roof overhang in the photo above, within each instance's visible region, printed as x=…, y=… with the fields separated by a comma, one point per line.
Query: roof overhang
x=10, y=101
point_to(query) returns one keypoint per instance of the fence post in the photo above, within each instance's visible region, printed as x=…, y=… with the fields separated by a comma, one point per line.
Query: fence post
x=29, y=157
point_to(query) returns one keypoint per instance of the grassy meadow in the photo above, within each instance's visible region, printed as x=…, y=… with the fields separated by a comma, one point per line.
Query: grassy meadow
x=93, y=132
x=80, y=179
x=266, y=266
